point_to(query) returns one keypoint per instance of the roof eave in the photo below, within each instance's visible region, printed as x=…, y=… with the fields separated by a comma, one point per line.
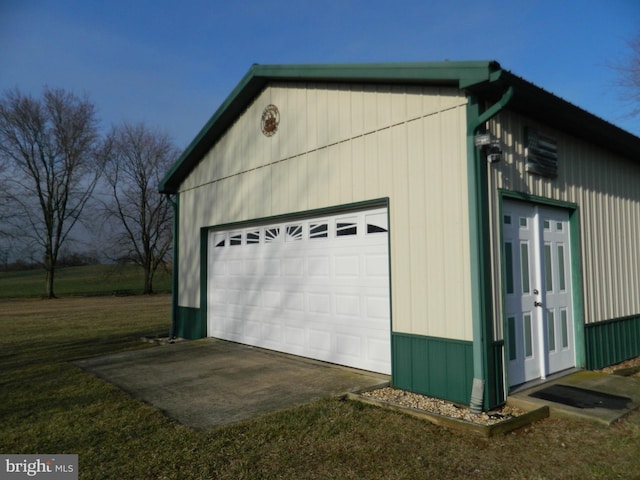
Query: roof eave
x=549, y=109
x=458, y=74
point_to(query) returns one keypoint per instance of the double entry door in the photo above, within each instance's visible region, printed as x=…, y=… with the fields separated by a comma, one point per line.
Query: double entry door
x=539, y=332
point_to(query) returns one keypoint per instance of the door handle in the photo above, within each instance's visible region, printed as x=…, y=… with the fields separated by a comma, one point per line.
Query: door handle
x=537, y=304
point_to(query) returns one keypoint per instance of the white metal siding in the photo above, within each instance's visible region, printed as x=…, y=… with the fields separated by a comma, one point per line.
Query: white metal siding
x=339, y=144
x=605, y=188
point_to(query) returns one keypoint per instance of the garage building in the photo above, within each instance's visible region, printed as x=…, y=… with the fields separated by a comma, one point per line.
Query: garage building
x=449, y=224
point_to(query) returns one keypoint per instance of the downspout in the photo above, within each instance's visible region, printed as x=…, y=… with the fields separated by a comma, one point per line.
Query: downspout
x=174, y=269
x=480, y=234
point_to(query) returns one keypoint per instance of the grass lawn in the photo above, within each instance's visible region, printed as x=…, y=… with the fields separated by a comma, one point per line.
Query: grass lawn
x=49, y=406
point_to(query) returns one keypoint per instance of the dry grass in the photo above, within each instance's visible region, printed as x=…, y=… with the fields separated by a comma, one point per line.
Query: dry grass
x=49, y=406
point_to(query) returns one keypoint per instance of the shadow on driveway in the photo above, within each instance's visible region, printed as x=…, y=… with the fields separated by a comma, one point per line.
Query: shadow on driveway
x=210, y=382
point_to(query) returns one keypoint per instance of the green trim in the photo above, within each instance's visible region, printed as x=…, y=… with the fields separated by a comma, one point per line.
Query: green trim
x=174, y=263
x=204, y=278
x=438, y=367
x=612, y=341
x=576, y=264
x=480, y=253
x=189, y=323
x=186, y=322
x=458, y=74
x=577, y=286
x=525, y=197
x=483, y=79
x=316, y=212
x=389, y=227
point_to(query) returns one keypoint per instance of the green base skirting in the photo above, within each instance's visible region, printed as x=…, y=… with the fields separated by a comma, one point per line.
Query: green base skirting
x=437, y=367
x=612, y=341
x=443, y=368
x=189, y=324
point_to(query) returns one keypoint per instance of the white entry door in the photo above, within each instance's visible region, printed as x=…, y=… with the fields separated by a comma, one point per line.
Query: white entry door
x=539, y=333
x=314, y=287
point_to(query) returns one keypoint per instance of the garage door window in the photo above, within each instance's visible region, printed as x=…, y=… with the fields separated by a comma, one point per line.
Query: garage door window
x=377, y=223
x=346, y=227
x=219, y=240
x=294, y=232
x=253, y=237
x=235, y=239
x=318, y=230
x=271, y=234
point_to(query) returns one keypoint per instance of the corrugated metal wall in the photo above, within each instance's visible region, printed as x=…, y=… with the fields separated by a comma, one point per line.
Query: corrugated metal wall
x=339, y=144
x=605, y=188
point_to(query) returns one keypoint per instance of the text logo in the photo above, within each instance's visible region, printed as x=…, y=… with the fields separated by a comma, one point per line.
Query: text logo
x=49, y=467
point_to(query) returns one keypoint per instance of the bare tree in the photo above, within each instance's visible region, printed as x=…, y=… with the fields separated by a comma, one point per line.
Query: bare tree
x=629, y=76
x=137, y=157
x=49, y=149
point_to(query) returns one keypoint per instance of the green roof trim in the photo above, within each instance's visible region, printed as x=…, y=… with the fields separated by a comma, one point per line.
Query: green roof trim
x=485, y=79
x=458, y=74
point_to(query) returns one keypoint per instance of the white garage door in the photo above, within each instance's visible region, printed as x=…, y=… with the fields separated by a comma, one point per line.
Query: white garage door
x=317, y=287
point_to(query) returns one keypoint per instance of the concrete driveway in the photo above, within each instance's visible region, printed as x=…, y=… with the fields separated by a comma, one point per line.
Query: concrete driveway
x=208, y=383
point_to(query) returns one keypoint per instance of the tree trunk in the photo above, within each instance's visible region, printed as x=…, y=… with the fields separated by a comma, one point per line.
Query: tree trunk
x=148, y=280
x=48, y=287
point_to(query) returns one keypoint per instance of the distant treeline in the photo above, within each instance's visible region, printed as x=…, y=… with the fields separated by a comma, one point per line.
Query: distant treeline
x=70, y=260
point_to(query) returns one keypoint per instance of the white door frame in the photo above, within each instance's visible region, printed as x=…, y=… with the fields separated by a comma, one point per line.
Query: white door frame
x=539, y=310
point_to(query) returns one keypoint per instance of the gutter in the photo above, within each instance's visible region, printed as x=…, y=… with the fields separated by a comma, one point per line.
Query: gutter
x=479, y=227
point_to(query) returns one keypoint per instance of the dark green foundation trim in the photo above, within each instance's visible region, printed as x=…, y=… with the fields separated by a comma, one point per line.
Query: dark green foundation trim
x=612, y=341
x=437, y=367
x=189, y=323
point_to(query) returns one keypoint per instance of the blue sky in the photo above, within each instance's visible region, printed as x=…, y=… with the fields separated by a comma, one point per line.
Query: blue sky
x=171, y=64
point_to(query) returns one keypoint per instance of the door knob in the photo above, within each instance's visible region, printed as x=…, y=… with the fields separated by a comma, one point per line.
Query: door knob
x=537, y=304
x=536, y=292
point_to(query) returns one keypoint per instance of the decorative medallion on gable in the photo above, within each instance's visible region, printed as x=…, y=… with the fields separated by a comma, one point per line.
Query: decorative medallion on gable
x=270, y=120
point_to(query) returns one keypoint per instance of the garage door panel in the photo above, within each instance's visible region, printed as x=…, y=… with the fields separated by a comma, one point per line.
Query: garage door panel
x=271, y=299
x=348, y=305
x=252, y=267
x=349, y=346
x=272, y=333
x=272, y=267
x=293, y=267
x=319, y=341
x=295, y=337
x=319, y=303
x=318, y=266
x=347, y=265
x=235, y=267
x=253, y=298
x=377, y=266
x=317, y=288
x=294, y=302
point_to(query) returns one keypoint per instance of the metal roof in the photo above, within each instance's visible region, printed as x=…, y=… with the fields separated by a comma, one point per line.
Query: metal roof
x=485, y=79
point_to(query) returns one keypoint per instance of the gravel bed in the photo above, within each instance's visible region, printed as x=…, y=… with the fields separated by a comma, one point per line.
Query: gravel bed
x=631, y=363
x=442, y=407
x=448, y=409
